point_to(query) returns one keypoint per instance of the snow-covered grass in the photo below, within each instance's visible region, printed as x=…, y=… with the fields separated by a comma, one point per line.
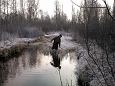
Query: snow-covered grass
x=66, y=41
x=10, y=43
x=13, y=48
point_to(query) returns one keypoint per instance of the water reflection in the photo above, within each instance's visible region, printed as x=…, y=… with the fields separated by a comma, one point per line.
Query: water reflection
x=33, y=68
x=56, y=59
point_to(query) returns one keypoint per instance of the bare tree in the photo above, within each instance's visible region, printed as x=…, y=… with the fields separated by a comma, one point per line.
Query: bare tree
x=99, y=61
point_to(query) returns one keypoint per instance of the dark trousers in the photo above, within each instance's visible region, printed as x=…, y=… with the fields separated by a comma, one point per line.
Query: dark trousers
x=55, y=46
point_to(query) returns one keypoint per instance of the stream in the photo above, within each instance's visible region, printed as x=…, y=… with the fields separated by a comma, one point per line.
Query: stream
x=33, y=68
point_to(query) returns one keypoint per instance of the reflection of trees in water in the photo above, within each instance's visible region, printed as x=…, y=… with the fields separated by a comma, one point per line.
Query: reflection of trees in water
x=33, y=56
x=30, y=58
x=10, y=68
x=24, y=65
x=43, y=48
x=66, y=54
x=3, y=73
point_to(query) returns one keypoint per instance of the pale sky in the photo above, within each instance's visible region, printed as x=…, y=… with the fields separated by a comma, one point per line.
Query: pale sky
x=49, y=7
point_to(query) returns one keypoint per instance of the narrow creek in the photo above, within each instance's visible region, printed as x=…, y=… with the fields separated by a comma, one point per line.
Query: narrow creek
x=33, y=68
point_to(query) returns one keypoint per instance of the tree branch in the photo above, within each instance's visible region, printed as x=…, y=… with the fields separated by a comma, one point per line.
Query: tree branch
x=106, y=6
x=108, y=10
x=84, y=6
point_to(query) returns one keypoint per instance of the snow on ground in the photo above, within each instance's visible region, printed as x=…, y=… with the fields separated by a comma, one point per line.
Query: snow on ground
x=66, y=41
x=10, y=43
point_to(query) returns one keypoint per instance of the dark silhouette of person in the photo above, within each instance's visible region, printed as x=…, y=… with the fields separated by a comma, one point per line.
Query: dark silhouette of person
x=56, y=42
x=56, y=59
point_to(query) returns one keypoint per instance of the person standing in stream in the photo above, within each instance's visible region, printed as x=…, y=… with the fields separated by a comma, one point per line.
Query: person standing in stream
x=56, y=42
x=54, y=53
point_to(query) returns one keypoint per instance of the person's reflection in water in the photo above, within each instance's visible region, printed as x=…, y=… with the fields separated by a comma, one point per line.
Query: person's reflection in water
x=56, y=62
x=56, y=59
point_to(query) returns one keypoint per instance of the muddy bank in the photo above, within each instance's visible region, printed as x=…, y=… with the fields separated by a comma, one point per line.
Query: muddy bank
x=15, y=50
x=9, y=53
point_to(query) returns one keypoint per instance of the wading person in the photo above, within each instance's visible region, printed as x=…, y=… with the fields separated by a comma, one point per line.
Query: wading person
x=54, y=53
x=56, y=42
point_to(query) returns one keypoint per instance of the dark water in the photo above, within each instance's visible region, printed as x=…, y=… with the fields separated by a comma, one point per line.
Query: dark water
x=33, y=68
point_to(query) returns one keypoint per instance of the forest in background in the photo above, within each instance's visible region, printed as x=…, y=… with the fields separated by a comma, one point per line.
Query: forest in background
x=94, y=24
x=29, y=21
x=25, y=19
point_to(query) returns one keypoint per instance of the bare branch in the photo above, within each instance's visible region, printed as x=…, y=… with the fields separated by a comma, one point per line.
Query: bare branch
x=106, y=6
x=95, y=1
x=75, y=3
x=85, y=6
x=108, y=10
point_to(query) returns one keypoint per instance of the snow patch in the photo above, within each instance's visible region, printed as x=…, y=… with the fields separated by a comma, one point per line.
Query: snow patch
x=10, y=43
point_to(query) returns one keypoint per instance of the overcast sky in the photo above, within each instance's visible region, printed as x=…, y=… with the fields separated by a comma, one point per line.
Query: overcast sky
x=48, y=5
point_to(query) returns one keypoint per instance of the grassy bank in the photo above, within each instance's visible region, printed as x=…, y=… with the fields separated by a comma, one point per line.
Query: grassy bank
x=14, y=51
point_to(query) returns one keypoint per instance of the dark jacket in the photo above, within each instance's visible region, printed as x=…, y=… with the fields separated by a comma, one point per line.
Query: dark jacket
x=56, y=42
